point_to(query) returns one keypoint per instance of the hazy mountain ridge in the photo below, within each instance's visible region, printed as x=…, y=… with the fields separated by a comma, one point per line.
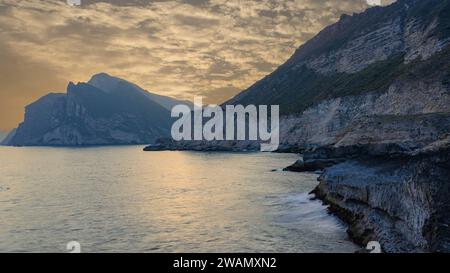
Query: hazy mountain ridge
x=112, y=84
x=117, y=112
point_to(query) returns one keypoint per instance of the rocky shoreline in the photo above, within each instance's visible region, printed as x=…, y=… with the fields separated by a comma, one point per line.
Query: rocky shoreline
x=166, y=144
x=397, y=199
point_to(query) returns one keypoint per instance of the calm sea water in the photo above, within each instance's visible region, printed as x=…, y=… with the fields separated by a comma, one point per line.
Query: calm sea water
x=120, y=199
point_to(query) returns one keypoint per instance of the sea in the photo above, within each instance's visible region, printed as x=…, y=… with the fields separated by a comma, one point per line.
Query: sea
x=122, y=199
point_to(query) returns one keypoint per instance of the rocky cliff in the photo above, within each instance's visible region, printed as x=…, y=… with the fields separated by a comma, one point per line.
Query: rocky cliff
x=104, y=111
x=398, y=199
x=367, y=101
x=360, y=54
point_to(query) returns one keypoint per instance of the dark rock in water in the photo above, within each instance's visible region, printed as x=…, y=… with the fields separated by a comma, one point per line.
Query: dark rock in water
x=154, y=148
x=313, y=165
x=291, y=149
x=298, y=166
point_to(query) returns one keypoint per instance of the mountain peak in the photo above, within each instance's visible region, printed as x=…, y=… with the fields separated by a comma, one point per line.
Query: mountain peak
x=70, y=86
x=102, y=75
x=110, y=84
x=105, y=82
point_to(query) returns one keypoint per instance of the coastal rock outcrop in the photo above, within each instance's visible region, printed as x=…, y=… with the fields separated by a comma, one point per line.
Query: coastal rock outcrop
x=104, y=111
x=402, y=202
x=368, y=102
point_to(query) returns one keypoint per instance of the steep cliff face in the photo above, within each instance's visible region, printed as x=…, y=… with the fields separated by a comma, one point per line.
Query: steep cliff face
x=368, y=102
x=370, y=78
x=119, y=113
x=395, y=116
x=387, y=61
x=360, y=54
x=40, y=117
x=415, y=28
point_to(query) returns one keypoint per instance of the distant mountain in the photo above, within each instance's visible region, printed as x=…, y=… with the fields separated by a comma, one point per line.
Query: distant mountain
x=104, y=111
x=112, y=84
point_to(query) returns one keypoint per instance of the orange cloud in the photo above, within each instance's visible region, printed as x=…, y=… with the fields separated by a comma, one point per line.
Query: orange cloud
x=179, y=48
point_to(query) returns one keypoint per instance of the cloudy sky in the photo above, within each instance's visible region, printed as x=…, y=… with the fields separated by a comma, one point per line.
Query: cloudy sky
x=179, y=48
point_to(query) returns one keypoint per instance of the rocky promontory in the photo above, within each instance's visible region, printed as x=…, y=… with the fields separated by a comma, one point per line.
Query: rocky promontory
x=167, y=144
x=367, y=103
x=397, y=198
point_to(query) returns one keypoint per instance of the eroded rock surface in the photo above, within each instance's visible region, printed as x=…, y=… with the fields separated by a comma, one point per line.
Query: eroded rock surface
x=402, y=202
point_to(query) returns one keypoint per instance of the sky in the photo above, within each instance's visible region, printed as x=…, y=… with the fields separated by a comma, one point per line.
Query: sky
x=179, y=48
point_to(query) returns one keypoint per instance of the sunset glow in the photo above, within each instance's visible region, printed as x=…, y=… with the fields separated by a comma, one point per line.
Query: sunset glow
x=212, y=48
